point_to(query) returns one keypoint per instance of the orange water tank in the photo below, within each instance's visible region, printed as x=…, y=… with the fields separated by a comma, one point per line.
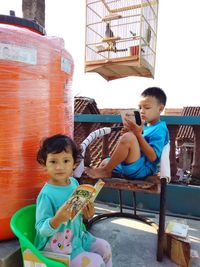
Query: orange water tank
x=35, y=102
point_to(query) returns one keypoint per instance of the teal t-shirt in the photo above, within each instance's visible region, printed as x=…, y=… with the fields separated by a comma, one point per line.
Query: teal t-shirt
x=69, y=237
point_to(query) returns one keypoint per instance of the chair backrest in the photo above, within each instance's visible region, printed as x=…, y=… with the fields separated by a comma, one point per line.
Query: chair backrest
x=23, y=223
x=165, y=171
x=23, y=226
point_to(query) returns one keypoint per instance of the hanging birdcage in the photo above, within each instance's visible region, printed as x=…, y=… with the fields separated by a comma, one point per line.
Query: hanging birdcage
x=121, y=37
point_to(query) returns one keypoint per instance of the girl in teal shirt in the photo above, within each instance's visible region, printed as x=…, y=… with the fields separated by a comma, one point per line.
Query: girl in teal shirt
x=55, y=232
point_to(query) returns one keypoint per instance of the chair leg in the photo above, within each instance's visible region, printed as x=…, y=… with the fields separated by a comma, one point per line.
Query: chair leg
x=161, y=229
x=135, y=203
x=121, y=214
x=120, y=200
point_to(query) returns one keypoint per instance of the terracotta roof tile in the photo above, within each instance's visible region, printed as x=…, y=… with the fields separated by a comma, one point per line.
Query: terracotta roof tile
x=84, y=105
x=186, y=132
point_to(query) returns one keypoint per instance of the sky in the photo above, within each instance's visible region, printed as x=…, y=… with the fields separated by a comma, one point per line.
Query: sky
x=177, y=59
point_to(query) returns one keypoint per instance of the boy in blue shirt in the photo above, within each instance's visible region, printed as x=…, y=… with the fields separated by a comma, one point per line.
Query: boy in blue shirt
x=139, y=149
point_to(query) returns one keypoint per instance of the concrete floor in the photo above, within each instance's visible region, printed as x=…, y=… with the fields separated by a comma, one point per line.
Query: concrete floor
x=133, y=242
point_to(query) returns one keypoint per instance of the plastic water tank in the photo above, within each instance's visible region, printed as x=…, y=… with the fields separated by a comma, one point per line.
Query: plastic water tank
x=35, y=102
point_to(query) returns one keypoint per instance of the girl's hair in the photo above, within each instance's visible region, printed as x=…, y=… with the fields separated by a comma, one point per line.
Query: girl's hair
x=56, y=144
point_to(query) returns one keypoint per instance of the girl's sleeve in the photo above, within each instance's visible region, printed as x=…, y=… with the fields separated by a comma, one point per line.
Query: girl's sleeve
x=44, y=213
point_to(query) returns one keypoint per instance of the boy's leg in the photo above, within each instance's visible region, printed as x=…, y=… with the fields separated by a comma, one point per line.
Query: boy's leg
x=127, y=150
x=104, y=162
x=88, y=259
x=102, y=247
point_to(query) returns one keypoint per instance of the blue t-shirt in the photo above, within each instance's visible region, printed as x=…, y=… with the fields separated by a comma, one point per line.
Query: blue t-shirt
x=157, y=136
x=69, y=237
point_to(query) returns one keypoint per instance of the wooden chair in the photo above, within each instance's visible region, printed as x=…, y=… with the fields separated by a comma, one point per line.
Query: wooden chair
x=151, y=184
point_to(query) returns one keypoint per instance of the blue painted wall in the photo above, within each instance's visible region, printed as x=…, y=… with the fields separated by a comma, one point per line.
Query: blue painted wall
x=183, y=200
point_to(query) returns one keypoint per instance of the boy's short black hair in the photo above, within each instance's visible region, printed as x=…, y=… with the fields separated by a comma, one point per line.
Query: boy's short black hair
x=156, y=92
x=56, y=144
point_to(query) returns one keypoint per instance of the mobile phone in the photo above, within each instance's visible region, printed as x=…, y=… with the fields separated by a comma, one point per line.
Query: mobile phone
x=137, y=117
x=133, y=115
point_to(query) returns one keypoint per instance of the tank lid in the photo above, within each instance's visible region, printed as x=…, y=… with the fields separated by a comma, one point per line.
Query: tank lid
x=22, y=22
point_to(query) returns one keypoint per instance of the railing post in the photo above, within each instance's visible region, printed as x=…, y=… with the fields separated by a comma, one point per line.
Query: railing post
x=105, y=147
x=196, y=157
x=87, y=130
x=173, y=130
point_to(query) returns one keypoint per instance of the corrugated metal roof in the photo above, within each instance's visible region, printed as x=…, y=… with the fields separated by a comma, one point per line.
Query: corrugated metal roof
x=186, y=132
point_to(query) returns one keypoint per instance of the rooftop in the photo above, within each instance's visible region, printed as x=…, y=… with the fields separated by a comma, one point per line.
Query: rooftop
x=133, y=242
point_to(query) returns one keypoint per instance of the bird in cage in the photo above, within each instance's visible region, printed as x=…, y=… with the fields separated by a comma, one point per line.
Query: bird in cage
x=111, y=42
x=148, y=35
x=108, y=32
x=133, y=34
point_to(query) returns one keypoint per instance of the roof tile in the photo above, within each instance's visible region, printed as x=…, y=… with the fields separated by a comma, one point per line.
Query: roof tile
x=85, y=105
x=186, y=132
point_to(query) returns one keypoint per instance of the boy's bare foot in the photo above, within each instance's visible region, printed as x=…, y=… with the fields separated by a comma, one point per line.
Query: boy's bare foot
x=97, y=173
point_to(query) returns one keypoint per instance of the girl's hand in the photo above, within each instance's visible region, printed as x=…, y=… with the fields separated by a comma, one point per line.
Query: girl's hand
x=62, y=215
x=88, y=211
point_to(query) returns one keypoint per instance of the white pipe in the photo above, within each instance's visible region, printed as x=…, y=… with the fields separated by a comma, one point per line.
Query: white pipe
x=91, y=137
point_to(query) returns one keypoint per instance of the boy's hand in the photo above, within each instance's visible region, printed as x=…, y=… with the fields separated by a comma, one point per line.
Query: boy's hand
x=132, y=126
x=61, y=216
x=88, y=211
x=124, y=130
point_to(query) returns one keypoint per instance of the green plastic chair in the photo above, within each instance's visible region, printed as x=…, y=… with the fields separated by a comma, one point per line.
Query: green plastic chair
x=23, y=226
